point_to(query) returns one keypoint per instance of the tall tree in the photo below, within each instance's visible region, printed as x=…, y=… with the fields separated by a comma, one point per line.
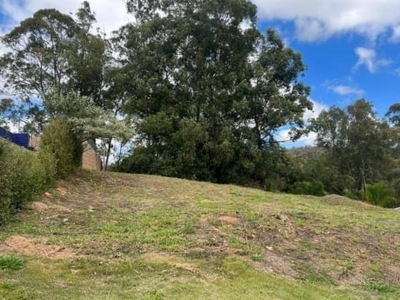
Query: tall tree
x=53, y=53
x=201, y=75
x=358, y=145
x=37, y=62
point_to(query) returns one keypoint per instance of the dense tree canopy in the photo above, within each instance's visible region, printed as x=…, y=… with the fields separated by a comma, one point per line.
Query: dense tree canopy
x=358, y=145
x=208, y=89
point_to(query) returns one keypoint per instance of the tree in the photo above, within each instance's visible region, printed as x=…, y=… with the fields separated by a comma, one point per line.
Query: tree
x=274, y=96
x=37, y=61
x=394, y=114
x=88, y=122
x=358, y=145
x=53, y=56
x=201, y=75
x=89, y=57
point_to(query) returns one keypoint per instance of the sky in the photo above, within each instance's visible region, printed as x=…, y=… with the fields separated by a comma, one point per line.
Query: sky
x=351, y=47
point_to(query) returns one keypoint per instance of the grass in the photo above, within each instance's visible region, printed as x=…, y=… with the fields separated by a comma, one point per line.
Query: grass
x=120, y=236
x=11, y=262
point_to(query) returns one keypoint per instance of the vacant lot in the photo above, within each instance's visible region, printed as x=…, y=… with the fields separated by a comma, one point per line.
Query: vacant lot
x=120, y=236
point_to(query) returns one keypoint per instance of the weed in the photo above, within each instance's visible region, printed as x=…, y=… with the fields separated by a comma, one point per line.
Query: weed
x=379, y=287
x=154, y=295
x=11, y=262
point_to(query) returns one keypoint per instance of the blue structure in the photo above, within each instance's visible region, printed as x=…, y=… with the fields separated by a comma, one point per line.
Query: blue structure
x=21, y=139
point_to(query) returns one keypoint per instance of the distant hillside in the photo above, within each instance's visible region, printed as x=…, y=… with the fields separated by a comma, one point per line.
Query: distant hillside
x=120, y=236
x=308, y=152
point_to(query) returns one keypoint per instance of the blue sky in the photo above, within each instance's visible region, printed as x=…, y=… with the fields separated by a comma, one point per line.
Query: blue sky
x=351, y=47
x=347, y=67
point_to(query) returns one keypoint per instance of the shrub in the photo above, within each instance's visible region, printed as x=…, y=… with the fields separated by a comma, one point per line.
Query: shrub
x=23, y=174
x=380, y=194
x=354, y=194
x=60, y=140
x=315, y=188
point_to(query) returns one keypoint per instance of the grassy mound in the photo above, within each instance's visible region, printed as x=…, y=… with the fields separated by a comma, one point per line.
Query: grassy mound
x=120, y=236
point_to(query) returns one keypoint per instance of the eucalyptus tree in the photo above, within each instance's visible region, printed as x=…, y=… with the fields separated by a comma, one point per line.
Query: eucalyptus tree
x=359, y=145
x=208, y=89
x=53, y=53
x=36, y=62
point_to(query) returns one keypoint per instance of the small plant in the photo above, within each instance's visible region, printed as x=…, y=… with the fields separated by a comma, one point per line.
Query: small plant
x=379, y=287
x=154, y=295
x=347, y=266
x=11, y=262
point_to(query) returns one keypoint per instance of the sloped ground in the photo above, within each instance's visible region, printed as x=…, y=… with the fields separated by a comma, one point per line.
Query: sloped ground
x=120, y=236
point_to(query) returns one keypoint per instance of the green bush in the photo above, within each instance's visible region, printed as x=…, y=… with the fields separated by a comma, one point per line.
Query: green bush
x=23, y=174
x=354, y=194
x=380, y=194
x=315, y=188
x=60, y=140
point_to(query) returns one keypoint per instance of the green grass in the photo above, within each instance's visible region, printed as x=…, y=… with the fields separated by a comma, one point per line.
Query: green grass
x=120, y=236
x=11, y=262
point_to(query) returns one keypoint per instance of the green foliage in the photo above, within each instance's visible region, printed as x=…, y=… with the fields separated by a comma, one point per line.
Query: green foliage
x=56, y=57
x=86, y=121
x=354, y=194
x=23, y=174
x=381, y=194
x=315, y=188
x=204, y=110
x=60, y=140
x=380, y=287
x=359, y=149
x=11, y=262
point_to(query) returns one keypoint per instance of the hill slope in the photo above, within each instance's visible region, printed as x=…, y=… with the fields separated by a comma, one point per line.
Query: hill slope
x=120, y=236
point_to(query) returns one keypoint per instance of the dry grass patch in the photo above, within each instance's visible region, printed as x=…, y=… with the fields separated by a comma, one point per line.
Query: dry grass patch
x=29, y=247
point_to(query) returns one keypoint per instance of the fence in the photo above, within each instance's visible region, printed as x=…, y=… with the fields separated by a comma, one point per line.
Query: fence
x=21, y=139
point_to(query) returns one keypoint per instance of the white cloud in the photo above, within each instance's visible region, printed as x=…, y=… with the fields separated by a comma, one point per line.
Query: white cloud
x=314, y=20
x=345, y=90
x=317, y=109
x=110, y=14
x=367, y=57
x=319, y=20
x=283, y=135
x=305, y=140
x=396, y=34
